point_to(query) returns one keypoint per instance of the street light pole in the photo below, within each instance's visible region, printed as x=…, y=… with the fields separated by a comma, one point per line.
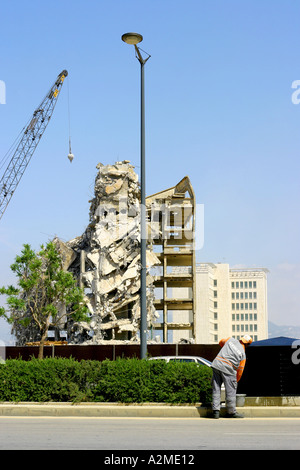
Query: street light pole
x=134, y=39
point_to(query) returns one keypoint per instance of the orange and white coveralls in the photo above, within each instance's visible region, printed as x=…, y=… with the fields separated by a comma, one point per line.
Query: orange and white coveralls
x=228, y=367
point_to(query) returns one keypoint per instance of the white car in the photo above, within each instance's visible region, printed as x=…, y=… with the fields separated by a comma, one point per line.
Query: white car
x=197, y=359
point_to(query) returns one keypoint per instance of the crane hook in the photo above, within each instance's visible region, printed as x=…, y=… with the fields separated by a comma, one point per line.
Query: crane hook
x=70, y=156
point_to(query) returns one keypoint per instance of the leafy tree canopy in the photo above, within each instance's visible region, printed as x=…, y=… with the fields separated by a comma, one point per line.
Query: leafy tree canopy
x=45, y=294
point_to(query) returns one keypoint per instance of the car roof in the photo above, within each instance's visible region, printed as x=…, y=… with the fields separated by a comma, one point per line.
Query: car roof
x=183, y=357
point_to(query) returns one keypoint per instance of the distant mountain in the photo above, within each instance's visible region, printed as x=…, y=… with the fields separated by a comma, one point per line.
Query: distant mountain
x=283, y=330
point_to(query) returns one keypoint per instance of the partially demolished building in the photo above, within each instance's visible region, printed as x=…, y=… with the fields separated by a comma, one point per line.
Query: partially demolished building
x=172, y=213
x=105, y=260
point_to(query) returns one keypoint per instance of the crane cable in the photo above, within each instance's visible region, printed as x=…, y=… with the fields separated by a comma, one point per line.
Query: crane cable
x=70, y=156
x=10, y=150
x=14, y=145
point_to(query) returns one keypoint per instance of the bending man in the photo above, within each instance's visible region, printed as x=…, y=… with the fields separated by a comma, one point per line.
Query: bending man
x=228, y=367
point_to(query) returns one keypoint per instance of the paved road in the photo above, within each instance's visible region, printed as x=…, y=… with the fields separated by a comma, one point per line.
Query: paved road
x=148, y=434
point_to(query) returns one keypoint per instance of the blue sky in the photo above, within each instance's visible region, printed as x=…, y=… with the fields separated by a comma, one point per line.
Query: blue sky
x=218, y=109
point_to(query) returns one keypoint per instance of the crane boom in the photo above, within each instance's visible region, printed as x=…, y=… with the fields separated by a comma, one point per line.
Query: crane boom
x=28, y=143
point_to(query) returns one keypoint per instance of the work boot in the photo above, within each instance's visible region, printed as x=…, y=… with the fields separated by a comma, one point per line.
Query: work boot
x=216, y=414
x=234, y=415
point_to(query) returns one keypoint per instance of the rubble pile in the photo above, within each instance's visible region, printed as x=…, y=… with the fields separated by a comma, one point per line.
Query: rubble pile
x=106, y=260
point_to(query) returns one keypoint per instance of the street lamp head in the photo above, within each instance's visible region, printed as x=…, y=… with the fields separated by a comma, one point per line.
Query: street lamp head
x=132, y=38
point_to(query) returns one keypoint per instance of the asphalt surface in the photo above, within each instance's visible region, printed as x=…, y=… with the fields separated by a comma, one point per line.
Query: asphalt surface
x=117, y=437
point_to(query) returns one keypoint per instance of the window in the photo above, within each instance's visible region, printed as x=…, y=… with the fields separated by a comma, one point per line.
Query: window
x=242, y=295
x=246, y=306
x=232, y=295
x=254, y=295
x=233, y=316
x=233, y=306
x=246, y=295
x=254, y=284
x=215, y=304
x=215, y=316
x=255, y=306
x=232, y=285
x=215, y=282
x=237, y=284
x=242, y=317
x=215, y=293
x=246, y=284
x=250, y=284
x=237, y=295
x=241, y=284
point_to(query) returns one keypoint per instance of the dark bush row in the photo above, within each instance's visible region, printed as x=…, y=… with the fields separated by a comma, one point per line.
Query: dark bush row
x=123, y=381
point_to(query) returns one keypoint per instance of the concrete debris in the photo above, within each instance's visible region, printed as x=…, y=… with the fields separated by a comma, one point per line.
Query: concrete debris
x=186, y=341
x=67, y=254
x=106, y=260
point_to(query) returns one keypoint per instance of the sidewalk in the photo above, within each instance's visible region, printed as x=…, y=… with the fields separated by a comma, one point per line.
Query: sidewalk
x=264, y=407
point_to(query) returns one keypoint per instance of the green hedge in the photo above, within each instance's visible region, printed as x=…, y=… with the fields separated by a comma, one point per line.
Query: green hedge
x=123, y=381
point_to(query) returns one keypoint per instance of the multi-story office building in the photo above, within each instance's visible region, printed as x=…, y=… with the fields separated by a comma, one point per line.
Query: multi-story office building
x=249, y=307
x=229, y=302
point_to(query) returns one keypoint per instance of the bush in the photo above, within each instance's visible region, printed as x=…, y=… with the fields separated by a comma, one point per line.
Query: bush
x=123, y=380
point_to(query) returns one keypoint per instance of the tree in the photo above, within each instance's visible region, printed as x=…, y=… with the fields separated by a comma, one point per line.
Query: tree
x=46, y=294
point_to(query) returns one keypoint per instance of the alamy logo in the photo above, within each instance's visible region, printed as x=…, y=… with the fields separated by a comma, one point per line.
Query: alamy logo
x=163, y=221
x=296, y=354
x=2, y=92
x=296, y=93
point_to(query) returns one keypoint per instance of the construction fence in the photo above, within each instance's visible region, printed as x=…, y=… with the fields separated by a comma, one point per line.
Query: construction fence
x=112, y=351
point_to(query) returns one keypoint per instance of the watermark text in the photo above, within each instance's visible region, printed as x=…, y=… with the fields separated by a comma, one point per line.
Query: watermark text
x=183, y=224
x=296, y=93
x=2, y=92
x=296, y=354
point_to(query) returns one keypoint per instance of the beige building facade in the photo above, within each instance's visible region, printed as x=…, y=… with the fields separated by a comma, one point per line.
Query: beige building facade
x=229, y=302
x=171, y=229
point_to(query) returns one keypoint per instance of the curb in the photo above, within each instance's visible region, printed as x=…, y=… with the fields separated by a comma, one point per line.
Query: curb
x=104, y=410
